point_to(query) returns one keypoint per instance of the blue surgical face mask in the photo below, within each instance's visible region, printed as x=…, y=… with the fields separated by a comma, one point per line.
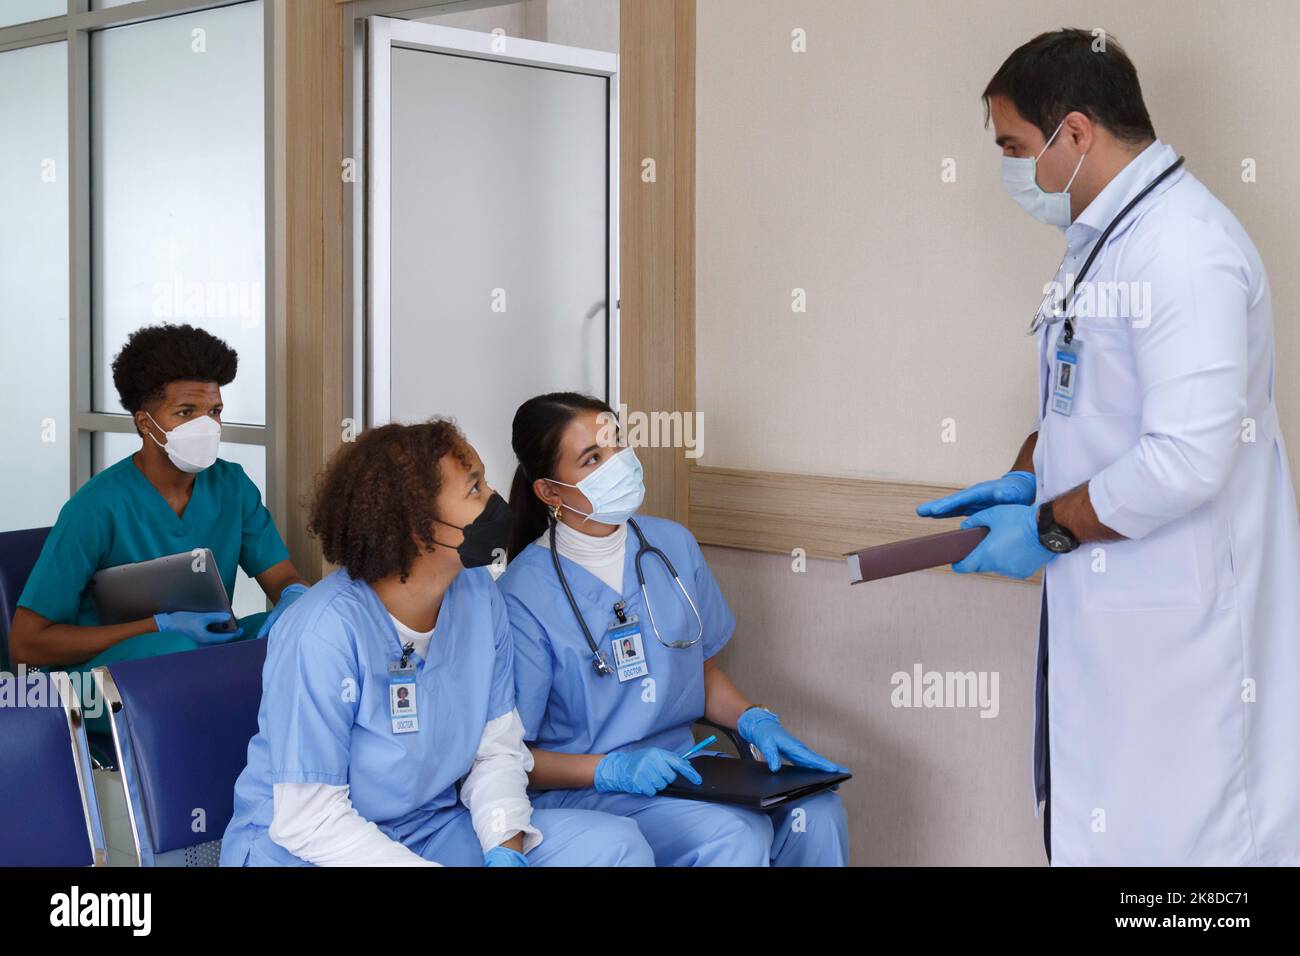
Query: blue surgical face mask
x=1020, y=179
x=615, y=489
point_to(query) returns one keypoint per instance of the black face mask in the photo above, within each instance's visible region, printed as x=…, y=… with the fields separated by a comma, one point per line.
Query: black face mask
x=485, y=535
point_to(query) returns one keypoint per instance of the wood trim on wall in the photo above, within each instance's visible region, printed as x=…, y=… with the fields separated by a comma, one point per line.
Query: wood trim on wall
x=313, y=261
x=826, y=517
x=657, y=120
x=657, y=230
x=684, y=203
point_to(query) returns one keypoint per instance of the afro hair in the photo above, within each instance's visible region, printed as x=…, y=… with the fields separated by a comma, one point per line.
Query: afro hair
x=377, y=497
x=158, y=354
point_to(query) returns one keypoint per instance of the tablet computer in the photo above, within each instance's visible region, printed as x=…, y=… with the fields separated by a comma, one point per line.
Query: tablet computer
x=749, y=783
x=188, y=581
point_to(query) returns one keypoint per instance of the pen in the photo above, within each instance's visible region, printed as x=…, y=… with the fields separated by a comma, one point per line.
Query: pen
x=700, y=746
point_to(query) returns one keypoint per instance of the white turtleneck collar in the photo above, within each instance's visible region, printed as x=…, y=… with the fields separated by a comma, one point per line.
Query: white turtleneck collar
x=602, y=556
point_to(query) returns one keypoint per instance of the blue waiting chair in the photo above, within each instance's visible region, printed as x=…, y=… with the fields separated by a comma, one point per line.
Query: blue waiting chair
x=18, y=553
x=181, y=726
x=46, y=787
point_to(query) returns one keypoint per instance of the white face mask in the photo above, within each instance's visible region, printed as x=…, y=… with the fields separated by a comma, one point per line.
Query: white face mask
x=1020, y=179
x=191, y=447
x=615, y=489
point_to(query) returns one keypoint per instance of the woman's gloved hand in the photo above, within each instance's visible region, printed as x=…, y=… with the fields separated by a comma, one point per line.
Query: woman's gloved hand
x=763, y=729
x=1013, y=488
x=504, y=856
x=288, y=594
x=642, y=771
x=1011, y=548
x=194, y=625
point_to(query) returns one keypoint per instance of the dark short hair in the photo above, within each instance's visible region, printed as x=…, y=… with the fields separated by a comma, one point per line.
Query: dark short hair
x=157, y=355
x=1059, y=72
x=378, y=496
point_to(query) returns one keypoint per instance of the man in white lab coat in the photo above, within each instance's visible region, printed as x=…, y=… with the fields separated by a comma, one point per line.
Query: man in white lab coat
x=1154, y=491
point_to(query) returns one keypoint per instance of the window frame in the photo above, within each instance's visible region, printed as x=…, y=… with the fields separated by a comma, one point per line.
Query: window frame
x=75, y=27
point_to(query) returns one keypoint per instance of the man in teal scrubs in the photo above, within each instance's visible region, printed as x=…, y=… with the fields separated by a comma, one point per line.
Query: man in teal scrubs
x=173, y=495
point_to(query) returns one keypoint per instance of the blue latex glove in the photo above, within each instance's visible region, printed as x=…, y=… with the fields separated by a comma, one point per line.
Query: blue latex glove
x=194, y=625
x=763, y=729
x=1013, y=488
x=504, y=856
x=288, y=594
x=642, y=771
x=1011, y=548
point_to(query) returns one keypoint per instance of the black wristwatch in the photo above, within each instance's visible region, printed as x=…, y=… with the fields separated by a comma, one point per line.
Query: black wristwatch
x=1051, y=535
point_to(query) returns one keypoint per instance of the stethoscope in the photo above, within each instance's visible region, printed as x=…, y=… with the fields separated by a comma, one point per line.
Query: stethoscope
x=598, y=661
x=1059, y=310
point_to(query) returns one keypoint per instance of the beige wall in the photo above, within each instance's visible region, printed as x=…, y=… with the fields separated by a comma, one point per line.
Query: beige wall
x=821, y=170
x=931, y=787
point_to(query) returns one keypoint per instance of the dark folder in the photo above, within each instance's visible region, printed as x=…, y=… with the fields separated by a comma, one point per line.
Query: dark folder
x=748, y=783
x=914, y=554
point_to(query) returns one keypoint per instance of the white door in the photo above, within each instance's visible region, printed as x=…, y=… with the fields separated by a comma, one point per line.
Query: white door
x=491, y=228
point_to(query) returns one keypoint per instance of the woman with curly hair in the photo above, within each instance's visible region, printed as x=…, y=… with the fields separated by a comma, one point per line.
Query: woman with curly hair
x=387, y=732
x=173, y=495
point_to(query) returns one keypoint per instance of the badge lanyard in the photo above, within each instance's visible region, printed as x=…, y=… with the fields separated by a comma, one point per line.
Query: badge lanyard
x=403, y=708
x=631, y=663
x=625, y=641
x=1065, y=367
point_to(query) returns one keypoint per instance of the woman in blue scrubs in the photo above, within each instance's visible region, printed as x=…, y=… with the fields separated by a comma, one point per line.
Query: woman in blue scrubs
x=173, y=495
x=391, y=682
x=612, y=741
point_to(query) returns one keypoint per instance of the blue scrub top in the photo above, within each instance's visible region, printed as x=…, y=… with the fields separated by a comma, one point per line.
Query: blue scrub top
x=565, y=706
x=118, y=517
x=325, y=714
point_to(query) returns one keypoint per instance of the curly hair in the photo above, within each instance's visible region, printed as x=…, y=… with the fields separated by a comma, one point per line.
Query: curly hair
x=158, y=354
x=377, y=497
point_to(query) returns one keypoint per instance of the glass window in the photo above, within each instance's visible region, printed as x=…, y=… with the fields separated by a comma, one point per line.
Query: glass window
x=34, y=436
x=24, y=11
x=177, y=177
x=108, y=448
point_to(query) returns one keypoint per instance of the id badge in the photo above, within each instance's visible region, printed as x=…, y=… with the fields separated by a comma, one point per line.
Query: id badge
x=403, y=708
x=1065, y=374
x=629, y=652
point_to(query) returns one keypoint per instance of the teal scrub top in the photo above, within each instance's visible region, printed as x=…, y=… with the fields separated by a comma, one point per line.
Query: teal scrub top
x=118, y=517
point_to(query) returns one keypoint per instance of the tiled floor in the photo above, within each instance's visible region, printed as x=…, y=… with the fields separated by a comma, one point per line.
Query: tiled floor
x=112, y=810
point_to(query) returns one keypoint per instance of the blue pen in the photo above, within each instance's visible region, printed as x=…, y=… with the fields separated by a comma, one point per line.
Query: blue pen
x=700, y=746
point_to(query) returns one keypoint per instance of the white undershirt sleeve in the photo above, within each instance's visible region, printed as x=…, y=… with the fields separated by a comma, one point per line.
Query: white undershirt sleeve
x=496, y=789
x=317, y=823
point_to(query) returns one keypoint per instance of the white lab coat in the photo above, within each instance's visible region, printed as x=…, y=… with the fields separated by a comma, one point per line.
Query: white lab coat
x=1173, y=658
